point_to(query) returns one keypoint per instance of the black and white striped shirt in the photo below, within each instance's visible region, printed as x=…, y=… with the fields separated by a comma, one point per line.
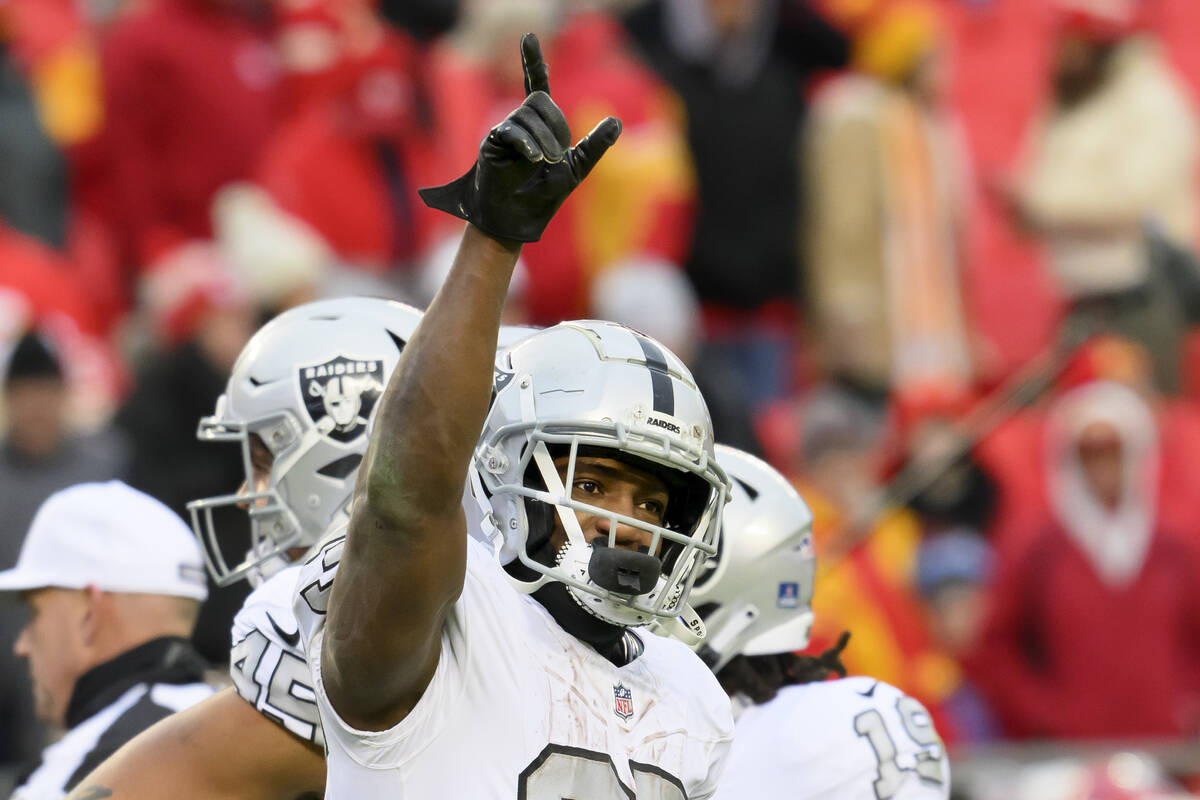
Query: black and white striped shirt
x=111, y=704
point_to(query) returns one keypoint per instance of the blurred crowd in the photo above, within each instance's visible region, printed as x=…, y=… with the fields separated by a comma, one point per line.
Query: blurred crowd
x=934, y=259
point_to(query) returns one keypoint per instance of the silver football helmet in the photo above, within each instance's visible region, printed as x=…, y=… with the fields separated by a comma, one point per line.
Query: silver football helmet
x=590, y=387
x=306, y=385
x=756, y=595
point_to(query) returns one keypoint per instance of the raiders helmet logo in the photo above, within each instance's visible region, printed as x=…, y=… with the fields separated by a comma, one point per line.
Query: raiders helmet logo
x=340, y=395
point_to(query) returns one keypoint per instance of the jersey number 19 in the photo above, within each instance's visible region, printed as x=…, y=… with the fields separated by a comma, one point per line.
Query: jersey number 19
x=918, y=727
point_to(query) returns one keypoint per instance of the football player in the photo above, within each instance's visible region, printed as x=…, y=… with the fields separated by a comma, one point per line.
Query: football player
x=798, y=735
x=446, y=667
x=296, y=403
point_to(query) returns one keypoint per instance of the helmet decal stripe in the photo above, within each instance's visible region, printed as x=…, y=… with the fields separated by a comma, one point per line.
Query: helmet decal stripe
x=660, y=378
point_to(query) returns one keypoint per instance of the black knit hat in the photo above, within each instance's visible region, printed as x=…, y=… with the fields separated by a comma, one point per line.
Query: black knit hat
x=33, y=357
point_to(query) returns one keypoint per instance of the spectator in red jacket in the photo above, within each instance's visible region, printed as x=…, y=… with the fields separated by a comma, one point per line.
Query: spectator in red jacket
x=1095, y=624
x=349, y=161
x=189, y=101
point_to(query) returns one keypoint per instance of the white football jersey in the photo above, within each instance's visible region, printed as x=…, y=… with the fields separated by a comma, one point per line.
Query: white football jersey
x=518, y=708
x=267, y=663
x=853, y=739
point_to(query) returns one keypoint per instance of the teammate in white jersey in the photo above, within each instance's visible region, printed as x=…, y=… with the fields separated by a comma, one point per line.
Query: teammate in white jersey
x=445, y=667
x=799, y=736
x=297, y=403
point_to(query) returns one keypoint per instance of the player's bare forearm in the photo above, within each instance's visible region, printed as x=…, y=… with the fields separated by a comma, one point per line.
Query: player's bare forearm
x=221, y=747
x=405, y=555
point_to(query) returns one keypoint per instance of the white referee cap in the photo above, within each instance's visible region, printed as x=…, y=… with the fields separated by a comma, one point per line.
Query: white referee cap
x=110, y=536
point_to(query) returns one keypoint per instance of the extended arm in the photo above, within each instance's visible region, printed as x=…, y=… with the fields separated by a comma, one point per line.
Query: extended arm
x=221, y=747
x=405, y=555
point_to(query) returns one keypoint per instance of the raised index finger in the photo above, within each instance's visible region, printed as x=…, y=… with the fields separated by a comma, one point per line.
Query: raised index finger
x=537, y=74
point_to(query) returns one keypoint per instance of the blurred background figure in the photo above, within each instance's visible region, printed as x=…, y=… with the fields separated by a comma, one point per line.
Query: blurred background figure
x=864, y=577
x=177, y=77
x=942, y=479
x=741, y=68
x=1120, y=776
x=422, y=19
x=357, y=139
x=953, y=571
x=279, y=259
x=904, y=568
x=40, y=454
x=199, y=318
x=33, y=172
x=113, y=581
x=1109, y=174
x=1102, y=561
x=886, y=216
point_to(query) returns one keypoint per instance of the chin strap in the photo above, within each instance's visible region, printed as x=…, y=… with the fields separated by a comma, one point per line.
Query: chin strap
x=729, y=638
x=688, y=627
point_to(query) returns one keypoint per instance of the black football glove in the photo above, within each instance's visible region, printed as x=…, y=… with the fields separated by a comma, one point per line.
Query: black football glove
x=526, y=167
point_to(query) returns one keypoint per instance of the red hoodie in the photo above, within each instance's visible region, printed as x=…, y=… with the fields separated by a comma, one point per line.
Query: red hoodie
x=1095, y=624
x=190, y=89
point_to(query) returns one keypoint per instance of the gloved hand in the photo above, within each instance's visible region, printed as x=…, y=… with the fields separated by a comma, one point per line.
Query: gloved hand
x=525, y=168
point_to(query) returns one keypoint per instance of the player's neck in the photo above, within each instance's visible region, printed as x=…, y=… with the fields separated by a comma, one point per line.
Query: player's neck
x=611, y=641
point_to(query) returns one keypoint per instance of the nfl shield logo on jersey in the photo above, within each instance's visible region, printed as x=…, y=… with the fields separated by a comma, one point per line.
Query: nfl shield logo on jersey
x=789, y=595
x=622, y=701
x=340, y=395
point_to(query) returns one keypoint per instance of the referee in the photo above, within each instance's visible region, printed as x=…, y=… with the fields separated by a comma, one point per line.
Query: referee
x=114, y=581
